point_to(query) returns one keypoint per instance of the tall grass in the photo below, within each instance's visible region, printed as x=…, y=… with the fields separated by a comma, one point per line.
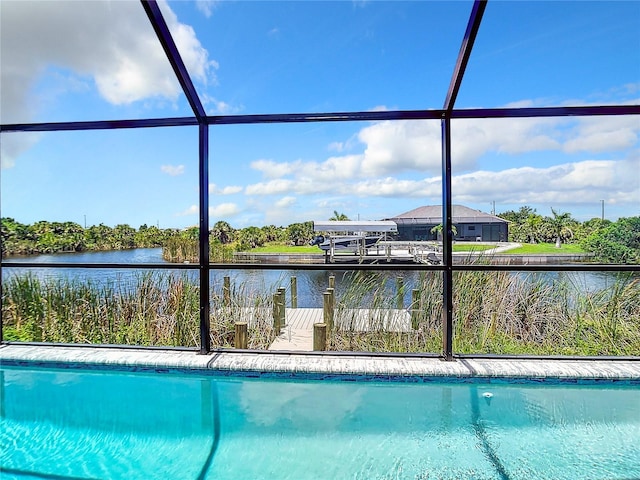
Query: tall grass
x=247, y=302
x=186, y=250
x=496, y=312
x=159, y=308
x=367, y=318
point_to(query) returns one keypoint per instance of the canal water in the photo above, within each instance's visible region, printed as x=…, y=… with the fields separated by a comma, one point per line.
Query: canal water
x=310, y=283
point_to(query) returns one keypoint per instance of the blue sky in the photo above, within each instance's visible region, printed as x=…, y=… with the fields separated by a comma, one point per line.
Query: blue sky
x=100, y=60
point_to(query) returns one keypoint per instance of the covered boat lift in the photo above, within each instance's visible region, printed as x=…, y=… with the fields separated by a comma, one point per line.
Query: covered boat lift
x=368, y=242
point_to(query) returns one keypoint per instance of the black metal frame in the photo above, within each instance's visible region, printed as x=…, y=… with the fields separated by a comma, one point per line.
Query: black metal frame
x=203, y=121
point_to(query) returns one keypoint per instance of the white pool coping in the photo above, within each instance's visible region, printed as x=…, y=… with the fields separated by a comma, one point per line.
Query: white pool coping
x=293, y=364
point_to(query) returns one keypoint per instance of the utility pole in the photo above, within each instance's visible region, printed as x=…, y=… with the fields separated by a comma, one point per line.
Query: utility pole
x=85, y=222
x=602, y=201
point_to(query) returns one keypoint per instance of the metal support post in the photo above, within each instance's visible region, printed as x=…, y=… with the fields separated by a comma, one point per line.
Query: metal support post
x=447, y=240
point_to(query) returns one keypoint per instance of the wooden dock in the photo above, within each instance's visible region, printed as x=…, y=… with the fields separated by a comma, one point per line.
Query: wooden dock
x=297, y=334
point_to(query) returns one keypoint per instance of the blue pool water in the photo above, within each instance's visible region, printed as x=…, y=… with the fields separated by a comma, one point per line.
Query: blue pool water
x=79, y=424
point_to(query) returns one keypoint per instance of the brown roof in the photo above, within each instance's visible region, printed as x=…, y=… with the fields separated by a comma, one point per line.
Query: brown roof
x=432, y=214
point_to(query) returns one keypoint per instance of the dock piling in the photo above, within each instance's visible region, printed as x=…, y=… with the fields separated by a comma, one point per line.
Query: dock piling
x=276, y=313
x=241, y=335
x=294, y=292
x=226, y=291
x=400, y=294
x=415, y=308
x=282, y=304
x=327, y=310
x=319, y=337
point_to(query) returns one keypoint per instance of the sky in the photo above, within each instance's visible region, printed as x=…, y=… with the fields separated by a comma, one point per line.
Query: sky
x=100, y=60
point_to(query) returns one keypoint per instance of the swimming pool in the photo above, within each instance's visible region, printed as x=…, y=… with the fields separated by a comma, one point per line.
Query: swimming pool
x=88, y=424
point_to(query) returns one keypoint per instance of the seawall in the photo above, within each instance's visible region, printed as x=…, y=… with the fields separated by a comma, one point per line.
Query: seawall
x=458, y=259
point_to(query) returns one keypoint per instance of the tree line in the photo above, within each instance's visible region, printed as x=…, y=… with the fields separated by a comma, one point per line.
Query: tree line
x=609, y=242
x=57, y=237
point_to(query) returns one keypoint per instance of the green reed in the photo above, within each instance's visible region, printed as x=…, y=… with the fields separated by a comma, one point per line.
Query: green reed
x=187, y=250
x=157, y=308
x=494, y=312
x=497, y=312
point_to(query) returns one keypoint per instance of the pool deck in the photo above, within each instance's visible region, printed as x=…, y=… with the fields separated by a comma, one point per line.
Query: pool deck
x=294, y=364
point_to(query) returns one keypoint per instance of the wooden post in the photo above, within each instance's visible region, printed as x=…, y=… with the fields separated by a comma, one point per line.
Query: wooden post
x=294, y=292
x=226, y=292
x=282, y=306
x=327, y=311
x=332, y=281
x=400, y=294
x=333, y=299
x=319, y=337
x=276, y=314
x=241, y=335
x=415, y=308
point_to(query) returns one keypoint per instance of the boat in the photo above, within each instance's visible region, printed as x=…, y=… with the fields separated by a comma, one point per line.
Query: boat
x=351, y=235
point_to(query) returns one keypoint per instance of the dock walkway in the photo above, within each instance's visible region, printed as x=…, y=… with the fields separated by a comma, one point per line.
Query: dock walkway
x=297, y=334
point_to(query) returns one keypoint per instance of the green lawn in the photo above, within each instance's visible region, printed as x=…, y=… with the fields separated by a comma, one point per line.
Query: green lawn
x=544, y=248
x=466, y=247
x=282, y=248
x=526, y=249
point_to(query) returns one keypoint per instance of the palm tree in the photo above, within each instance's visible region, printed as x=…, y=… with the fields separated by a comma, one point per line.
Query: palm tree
x=223, y=232
x=560, y=225
x=532, y=226
x=299, y=233
x=338, y=217
x=438, y=229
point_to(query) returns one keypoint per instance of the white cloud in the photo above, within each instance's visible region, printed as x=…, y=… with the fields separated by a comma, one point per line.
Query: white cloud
x=600, y=134
x=218, y=106
x=568, y=183
x=109, y=42
x=285, y=202
x=173, y=170
x=272, y=187
x=206, y=7
x=228, y=190
x=574, y=182
x=192, y=210
x=13, y=144
x=394, y=148
x=272, y=169
x=336, y=146
x=224, y=210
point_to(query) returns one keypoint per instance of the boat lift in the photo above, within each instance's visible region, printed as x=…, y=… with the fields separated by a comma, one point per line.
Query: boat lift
x=369, y=242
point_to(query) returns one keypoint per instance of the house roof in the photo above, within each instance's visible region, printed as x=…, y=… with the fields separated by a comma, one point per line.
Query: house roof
x=432, y=214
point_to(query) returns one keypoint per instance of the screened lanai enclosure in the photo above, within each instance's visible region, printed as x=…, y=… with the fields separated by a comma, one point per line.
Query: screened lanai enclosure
x=197, y=115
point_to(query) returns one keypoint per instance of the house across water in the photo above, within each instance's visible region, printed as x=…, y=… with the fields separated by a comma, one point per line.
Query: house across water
x=471, y=225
